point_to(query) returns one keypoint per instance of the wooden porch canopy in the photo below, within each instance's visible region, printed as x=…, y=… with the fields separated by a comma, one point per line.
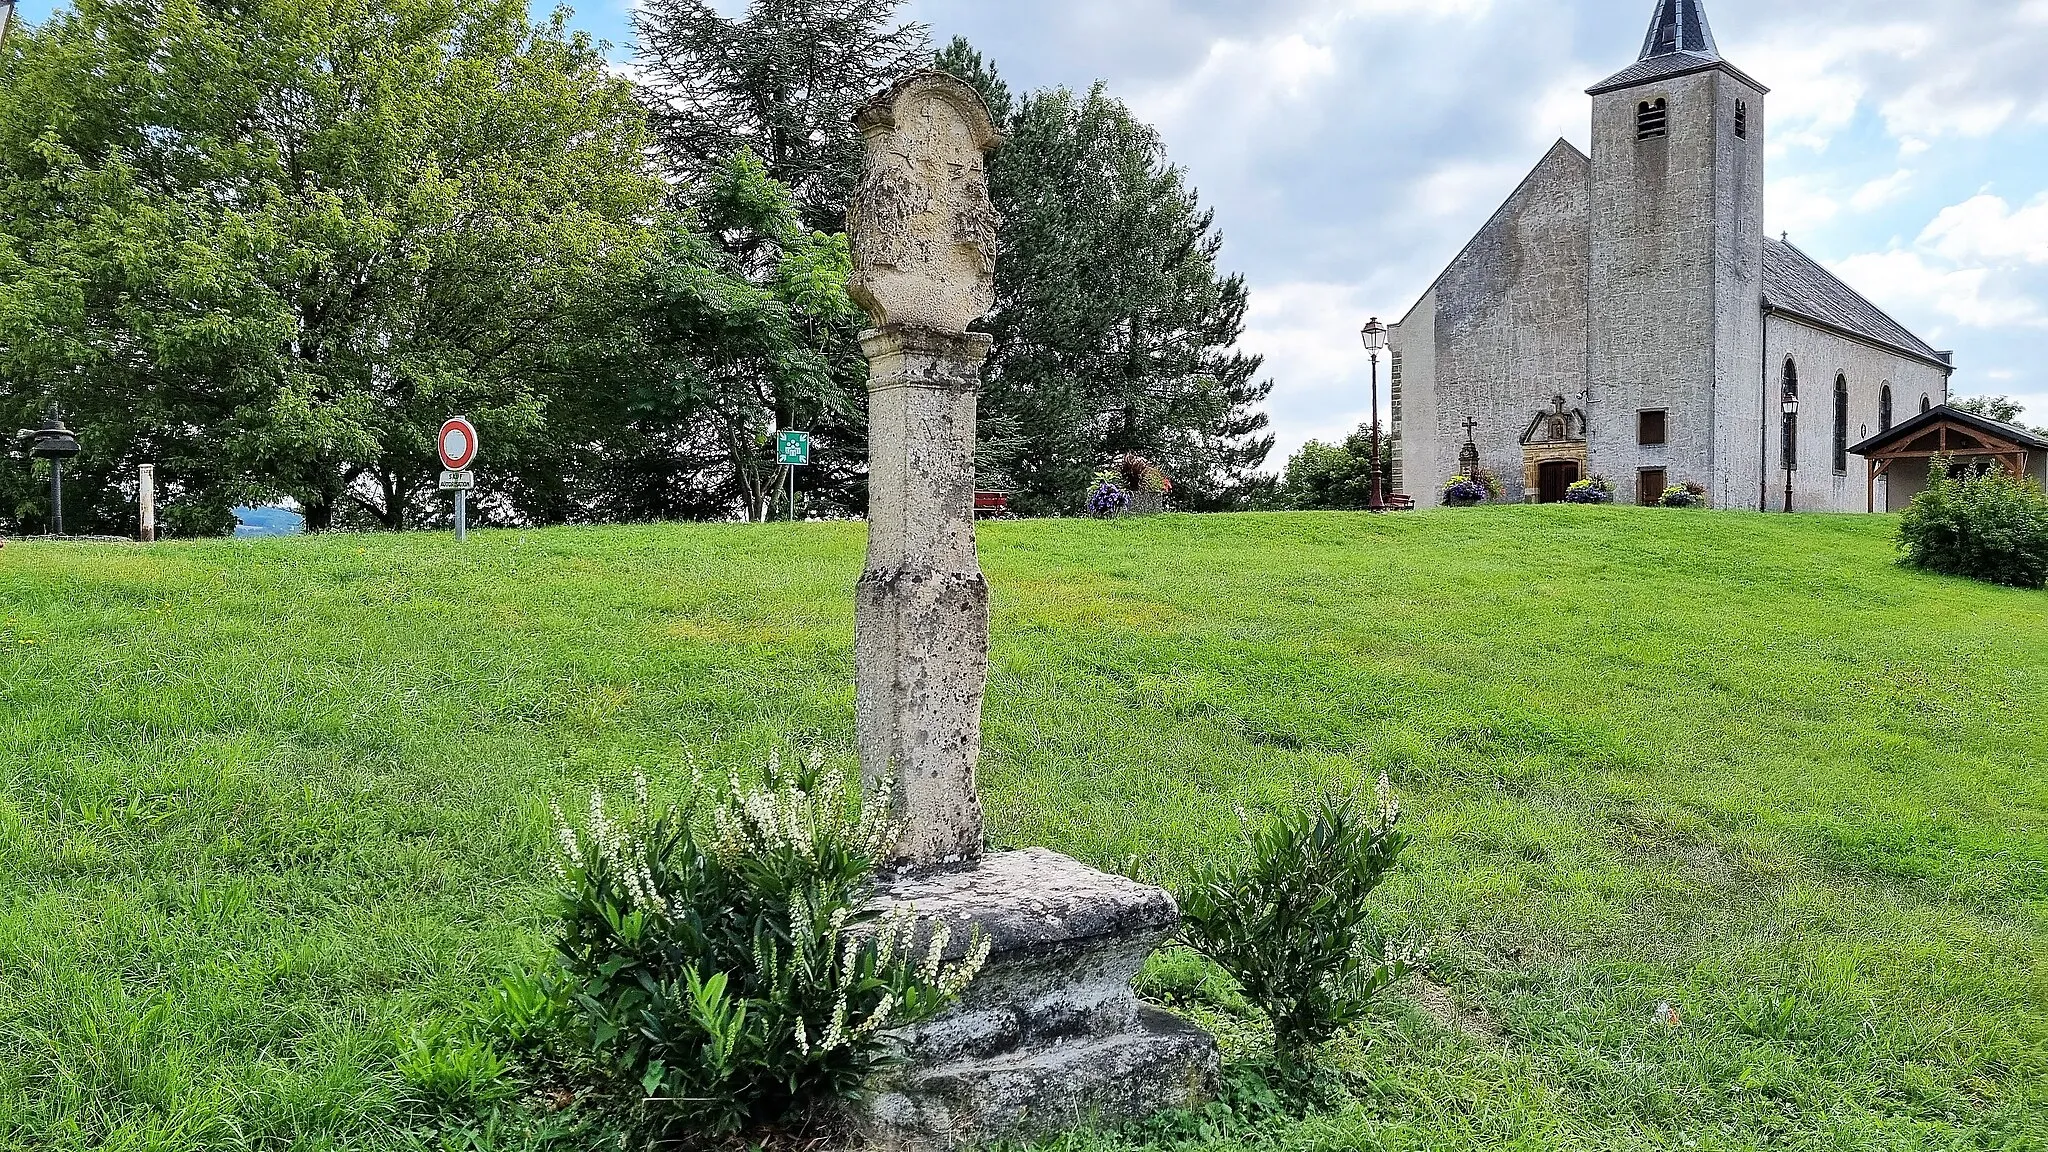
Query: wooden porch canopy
x=1951, y=432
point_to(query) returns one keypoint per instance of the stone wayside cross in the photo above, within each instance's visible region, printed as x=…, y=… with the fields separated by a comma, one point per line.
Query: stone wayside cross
x=1051, y=1034
x=924, y=238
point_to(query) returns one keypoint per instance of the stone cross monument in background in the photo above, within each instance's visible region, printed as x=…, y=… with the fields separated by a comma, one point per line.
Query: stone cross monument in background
x=1051, y=1034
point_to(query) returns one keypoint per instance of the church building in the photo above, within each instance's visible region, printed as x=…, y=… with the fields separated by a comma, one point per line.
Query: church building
x=1624, y=315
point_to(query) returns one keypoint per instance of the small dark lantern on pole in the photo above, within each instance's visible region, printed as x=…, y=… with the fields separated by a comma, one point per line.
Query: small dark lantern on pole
x=55, y=443
x=1791, y=406
x=1375, y=336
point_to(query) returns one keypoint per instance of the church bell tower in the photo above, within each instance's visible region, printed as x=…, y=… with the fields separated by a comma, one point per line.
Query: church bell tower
x=1675, y=318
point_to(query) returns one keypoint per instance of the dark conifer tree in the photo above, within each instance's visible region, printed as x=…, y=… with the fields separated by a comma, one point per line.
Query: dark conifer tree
x=1115, y=328
x=783, y=80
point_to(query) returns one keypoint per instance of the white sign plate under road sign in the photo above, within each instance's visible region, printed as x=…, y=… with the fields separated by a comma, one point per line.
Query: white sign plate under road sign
x=458, y=481
x=458, y=444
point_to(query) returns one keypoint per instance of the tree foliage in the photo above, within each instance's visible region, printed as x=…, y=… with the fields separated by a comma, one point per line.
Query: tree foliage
x=1981, y=522
x=1115, y=329
x=739, y=325
x=271, y=246
x=1336, y=477
x=2003, y=409
x=782, y=80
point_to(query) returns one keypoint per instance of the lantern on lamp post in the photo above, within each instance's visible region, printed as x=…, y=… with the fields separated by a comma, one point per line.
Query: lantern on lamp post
x=1791, y=449
x=1375, y=336
x=55, y=443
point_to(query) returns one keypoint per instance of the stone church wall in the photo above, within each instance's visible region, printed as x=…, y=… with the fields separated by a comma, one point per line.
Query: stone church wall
x=1821, y=356
x=1499, y=334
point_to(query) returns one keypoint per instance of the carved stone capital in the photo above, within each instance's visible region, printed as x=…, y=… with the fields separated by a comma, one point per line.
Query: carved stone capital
x=922, y=226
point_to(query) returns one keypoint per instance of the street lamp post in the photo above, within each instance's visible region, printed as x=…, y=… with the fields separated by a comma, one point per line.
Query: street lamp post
x=1375, y=336
x=55, y=443
x=1791, y=445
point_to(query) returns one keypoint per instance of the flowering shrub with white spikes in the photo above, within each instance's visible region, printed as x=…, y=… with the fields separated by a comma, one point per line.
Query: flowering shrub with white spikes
x=722, y=970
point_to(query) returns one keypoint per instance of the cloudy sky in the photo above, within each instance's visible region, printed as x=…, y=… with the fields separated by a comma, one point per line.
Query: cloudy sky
x=1351, y=147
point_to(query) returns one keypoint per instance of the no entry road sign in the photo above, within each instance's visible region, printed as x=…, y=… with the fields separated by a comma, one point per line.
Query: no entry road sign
x=458, y=445
x=793, y=449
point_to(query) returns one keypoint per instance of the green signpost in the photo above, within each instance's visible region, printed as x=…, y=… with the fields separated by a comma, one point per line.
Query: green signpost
x=792, y=451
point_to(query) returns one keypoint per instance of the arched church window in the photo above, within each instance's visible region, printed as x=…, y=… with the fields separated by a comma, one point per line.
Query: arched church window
x=1926, y=404
x=1653, y=119
x=1790, y=448
x=1884, y=409
x=1841, y=423
x=1742, y=119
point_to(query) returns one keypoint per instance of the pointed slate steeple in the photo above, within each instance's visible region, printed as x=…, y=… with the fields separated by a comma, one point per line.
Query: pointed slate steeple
x=1679, y=44
x=1679, y=26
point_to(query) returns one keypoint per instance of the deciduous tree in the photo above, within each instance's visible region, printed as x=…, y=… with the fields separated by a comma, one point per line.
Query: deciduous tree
x=271, y=246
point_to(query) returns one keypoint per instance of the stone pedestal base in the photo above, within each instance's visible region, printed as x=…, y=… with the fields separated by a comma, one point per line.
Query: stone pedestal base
x=1051, y=1035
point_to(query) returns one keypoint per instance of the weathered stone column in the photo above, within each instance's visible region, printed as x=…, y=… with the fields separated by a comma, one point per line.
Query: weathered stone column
x=921, y=633
x=1051, y=1034
x=924, y=236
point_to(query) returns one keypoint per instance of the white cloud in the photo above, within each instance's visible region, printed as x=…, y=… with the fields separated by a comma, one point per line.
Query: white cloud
x=1256, y=75
x=1985, y=229
x=1905, y=282
x=1882, y=191
x=1308, y=333
x=1798, y=204
x=1467, y=190
x=1815, y=86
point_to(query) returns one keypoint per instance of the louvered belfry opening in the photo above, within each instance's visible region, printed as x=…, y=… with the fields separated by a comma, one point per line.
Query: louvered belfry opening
x=1742, y=119
x=1653, y=119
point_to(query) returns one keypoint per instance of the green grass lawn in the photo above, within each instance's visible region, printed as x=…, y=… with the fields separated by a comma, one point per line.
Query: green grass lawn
x=273, y=814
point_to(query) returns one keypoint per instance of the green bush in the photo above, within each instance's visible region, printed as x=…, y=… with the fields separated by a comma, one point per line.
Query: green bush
x=1981, y=523
x=722, y=970
x=1687, y=495
x=1292, y=926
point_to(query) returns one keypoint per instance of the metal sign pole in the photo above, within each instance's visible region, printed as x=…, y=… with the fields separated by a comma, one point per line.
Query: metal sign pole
x=461, y=514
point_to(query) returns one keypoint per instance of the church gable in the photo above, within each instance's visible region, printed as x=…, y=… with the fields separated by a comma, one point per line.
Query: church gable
x=1501, y=332
x=1550, y=197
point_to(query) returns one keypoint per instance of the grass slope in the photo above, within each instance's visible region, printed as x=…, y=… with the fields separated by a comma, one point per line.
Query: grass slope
x=270, y=812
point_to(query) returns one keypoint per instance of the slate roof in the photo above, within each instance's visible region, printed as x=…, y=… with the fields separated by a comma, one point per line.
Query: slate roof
x=1921, y=422
x=1680, y=42
x=1794, y=283
x=1679, y=26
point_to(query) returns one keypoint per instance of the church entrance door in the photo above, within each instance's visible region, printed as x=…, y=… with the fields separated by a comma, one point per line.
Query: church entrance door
x=1554, y=478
